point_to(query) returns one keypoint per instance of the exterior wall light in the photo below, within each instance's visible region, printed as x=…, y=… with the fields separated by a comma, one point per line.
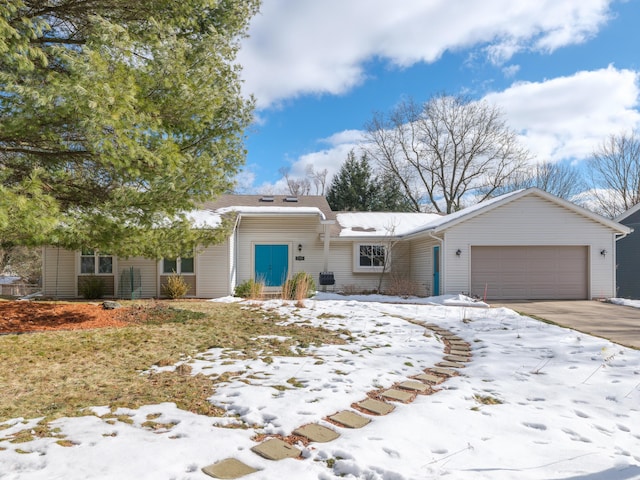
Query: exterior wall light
x=603, y=252
x=458, y=252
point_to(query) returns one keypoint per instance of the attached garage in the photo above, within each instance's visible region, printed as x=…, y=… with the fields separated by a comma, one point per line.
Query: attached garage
x=530, y=272
x=525, y=245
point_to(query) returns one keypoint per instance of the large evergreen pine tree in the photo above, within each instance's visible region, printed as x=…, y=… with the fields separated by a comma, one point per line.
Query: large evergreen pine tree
x=356, y=188
x=116, y=117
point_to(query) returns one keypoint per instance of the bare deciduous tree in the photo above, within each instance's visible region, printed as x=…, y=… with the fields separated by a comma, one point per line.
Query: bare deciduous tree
x=614, y=173
x=446, y=149
x=319, y=178
x=560, y=179
x=296, y=186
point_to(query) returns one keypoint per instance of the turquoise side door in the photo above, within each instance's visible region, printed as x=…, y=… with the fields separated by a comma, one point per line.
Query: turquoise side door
x=271, y=264
x=436, y=271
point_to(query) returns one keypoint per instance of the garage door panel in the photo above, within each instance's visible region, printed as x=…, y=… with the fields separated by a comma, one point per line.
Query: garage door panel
x=549, y=272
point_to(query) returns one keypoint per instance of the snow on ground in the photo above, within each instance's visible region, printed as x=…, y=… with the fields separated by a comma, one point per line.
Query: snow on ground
x=570, y=406
x=625, y=301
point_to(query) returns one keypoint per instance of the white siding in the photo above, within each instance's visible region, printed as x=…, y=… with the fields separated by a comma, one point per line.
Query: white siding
x=59, y=273
x=212, y=271
x=422, y=263
x=148, y=271
x=529, y=220
x=291, y=231
x=341, y=264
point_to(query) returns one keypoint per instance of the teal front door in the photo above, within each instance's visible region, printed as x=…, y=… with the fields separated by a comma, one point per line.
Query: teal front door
x=436, y=271
x=271, y=264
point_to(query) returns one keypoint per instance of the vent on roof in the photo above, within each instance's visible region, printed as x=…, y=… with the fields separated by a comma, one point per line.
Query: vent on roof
x=267, y=198
x=291, y=199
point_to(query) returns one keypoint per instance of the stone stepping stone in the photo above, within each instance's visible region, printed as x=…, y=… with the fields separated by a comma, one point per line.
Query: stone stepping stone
x=395, y=394
x=459, y=342
x=450, y=364
x=443, y=371
x=376, y=406
x=460, y=353
x=460, y=346
x=414, y=385
x=431, y=326
x=350, y=419
x=456, y=358
x=440, y=331
x=316, y=433
x=453, y=339
x=228, y=468
x=427, y=377
x=276, y=449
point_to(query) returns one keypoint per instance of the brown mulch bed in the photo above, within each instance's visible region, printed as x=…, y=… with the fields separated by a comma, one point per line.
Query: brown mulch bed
x=25, y=316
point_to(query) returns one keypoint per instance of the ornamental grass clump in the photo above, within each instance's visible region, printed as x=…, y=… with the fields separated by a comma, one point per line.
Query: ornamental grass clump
x=176, y=287
x=299, y=287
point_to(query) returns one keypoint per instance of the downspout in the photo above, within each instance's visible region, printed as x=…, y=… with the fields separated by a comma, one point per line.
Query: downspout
x=233, y=275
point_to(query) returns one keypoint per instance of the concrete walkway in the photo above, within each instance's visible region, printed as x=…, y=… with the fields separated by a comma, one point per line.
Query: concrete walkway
x=617, y=323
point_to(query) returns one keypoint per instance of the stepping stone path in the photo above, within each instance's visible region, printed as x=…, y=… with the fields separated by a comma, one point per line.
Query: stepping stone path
x=459, y=352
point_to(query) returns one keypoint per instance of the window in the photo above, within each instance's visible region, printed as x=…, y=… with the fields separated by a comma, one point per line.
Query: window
x=180, y=265
x=369, y=258
x=95, y=263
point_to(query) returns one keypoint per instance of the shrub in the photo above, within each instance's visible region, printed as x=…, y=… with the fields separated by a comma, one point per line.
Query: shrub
x=300, y=286
x=402, y=286
x=250, y=289
x=92, y=287
x=176, y=287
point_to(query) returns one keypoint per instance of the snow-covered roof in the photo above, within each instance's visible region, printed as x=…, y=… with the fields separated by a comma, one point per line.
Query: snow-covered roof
x=362, y=224
x=376, y=224
x=204, y=218
x=273, y=210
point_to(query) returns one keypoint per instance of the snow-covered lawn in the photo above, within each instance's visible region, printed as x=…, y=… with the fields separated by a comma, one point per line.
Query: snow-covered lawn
x=570, y=406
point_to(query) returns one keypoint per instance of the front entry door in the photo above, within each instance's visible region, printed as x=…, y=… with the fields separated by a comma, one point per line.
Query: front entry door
x=271, y=264
x=436, y=270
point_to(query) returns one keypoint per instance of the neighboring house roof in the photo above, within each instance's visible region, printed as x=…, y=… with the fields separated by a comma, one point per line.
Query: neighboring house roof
x=628, y=213
x=8, y=279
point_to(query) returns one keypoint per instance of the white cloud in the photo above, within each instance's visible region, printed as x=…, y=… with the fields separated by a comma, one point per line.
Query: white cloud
x=567, y=117
x=309, y=46
x=558, y=119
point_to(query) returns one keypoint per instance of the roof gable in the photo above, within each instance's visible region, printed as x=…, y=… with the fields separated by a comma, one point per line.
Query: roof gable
x=483, y=207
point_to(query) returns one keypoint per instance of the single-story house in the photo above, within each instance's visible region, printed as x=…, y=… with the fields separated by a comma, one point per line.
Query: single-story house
x=628, y=256
x=523, y=245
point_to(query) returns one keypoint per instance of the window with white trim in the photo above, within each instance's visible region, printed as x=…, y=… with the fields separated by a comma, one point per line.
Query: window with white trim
x=180, y=265
x=95, y=263
x=369, y=257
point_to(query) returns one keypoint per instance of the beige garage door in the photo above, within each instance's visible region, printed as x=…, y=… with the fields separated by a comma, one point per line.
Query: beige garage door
x=530, y=273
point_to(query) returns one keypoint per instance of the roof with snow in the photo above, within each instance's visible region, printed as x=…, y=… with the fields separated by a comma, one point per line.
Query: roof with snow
x=368, y=224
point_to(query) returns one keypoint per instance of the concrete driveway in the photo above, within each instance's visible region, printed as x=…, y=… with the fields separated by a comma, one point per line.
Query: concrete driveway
x=614, y=322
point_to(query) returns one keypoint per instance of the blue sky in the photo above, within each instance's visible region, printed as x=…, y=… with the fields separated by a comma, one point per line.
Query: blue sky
x=566, y=73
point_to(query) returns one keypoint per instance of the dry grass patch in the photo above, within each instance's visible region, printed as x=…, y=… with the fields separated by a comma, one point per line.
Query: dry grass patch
x=54, y=374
